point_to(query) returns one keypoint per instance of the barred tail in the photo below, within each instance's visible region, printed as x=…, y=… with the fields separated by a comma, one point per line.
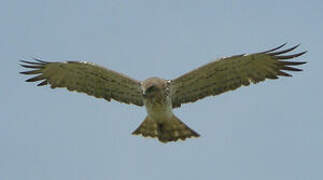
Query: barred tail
x=170, y=130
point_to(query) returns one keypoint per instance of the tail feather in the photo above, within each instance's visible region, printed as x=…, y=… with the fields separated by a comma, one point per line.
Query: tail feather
x=147, y=128
x=171, y=130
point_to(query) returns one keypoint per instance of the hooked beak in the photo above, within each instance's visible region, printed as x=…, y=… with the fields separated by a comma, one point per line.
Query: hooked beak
x=144, y=94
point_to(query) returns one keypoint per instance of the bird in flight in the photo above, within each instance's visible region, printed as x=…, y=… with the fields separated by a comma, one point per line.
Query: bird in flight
x=160, y=96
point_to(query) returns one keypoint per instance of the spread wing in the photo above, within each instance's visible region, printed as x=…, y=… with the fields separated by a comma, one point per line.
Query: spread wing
x=87, y=78
x=230, y=73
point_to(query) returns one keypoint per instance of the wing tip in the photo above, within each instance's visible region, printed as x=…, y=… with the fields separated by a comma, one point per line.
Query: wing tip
x=274, y=49
x=36, y=67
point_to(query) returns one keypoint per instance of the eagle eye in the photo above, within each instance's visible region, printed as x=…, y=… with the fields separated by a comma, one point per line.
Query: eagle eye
x=150, y=89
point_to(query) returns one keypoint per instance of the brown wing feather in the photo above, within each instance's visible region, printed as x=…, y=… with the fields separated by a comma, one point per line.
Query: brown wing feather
x=231, y=73
x=87, y=78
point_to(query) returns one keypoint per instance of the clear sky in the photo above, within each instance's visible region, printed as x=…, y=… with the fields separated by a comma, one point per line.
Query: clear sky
x=272, y=130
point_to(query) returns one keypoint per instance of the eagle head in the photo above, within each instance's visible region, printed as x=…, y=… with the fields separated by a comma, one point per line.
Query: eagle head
x=153, y=86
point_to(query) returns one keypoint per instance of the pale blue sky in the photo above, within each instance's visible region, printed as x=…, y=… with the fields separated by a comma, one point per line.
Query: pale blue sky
x=272, y=130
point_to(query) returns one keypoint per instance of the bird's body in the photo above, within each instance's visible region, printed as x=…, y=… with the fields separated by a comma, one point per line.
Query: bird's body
x=160, y=96
x=158, y=104
x=159, y=107
x=161, y=121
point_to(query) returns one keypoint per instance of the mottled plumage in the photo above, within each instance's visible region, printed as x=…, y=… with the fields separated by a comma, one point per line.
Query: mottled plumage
x=160, y=96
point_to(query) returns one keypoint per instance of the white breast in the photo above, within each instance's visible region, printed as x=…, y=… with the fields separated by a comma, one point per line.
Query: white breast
x=159, y=111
